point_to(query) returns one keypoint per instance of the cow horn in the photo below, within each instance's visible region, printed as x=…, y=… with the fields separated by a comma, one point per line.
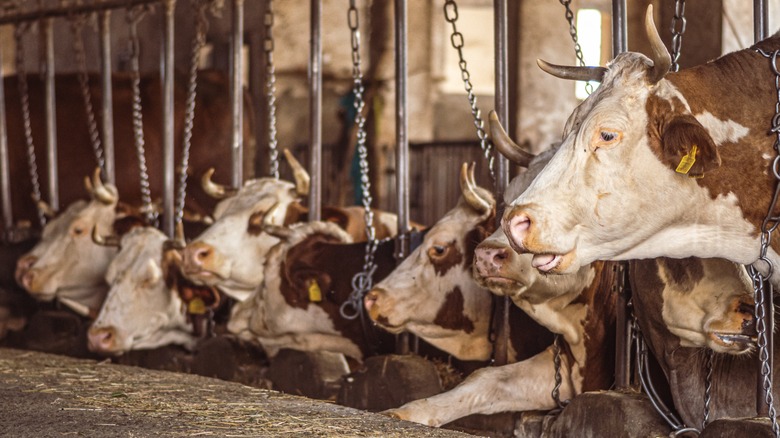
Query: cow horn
x=106, y=194
x=299, y=173
x=213, y=189
x=514, y=152
x=574, y=73
x=662, y=61
x=468, y=187
x=273, y=229
x=46, y=209
x=111, y=240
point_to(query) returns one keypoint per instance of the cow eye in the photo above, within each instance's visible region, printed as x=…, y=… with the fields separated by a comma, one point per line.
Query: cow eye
x=78, y=231
x=436, y=251
x=608, y=136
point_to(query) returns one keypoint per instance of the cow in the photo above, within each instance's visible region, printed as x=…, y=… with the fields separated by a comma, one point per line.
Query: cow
x=140, y=311
x=686, y=305
x=656, y=163
x=228, y=253
x=580, y=307
x=211, y=140
x=66, y=264
x=307, y=278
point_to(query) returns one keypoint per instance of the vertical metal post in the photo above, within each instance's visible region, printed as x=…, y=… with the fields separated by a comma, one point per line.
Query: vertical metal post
x=237, y=90
x=623, y=331
x=315, y=111
x=760, y=20
x=619, y=27
x=760, y=31
x=501, y=310
x=107, y=101
x=167, y=98
x=402, y=144
x=51, y=115
x=5, y=178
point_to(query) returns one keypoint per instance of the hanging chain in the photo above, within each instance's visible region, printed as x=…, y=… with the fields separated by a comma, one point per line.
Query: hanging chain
x=575, y=39
x=24, y=96
x=201, y=28
x=556, y=391
x=76, y=27
x=362, y=281
x=451, y=15
x=678, y=29
x=707, y=387
x=133, y=17
x=761, y=284
x=270, y=88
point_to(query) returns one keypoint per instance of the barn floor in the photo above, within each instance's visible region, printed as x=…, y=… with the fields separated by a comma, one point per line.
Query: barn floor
x=49, y=395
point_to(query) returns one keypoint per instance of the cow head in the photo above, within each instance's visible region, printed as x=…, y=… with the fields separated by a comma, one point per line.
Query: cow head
x=229, y=253
x=66, y=263
x=296, y=306
x=140, y=311
x=432, y=293
x=626, y=182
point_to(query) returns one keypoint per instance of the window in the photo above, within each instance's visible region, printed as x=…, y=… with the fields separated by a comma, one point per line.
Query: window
x=589, y=37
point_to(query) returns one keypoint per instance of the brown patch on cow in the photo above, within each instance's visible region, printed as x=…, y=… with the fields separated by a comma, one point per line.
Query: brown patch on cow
x=528, y=337
x=450, y=314
x=685, y=273
x=475, y=236
x=598, y=371
x=296, y=212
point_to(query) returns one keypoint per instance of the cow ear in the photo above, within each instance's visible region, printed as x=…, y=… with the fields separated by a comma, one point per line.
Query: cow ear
x=296, y=212
x=335, y=215
x=688, y=148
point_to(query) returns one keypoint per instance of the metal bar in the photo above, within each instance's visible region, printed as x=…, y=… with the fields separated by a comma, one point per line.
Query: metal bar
x=315, y=111
x=167, y=98
x=402, y=144
x=73, y=9
x=623, y=328
x=237, y=93
x=5, y=168
x=501, y=310
x=619, y=27
x=760, y=20
x=108, y=110
x=51, y=115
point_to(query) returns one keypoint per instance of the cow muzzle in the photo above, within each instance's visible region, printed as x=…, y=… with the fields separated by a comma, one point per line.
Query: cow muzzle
x=199, y=260
x=489, y=261
x=23, y=265
x=522, y=231
x=102, y=340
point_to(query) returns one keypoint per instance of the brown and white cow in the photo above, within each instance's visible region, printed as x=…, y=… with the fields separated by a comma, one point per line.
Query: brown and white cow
x=307, y=277
x=578, y=306
x=685, y=305
x=140, y=311
x=66, y=264
x=655, y=163
x=229, y=253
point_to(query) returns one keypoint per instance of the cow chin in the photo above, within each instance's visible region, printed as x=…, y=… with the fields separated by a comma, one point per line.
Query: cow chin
x=556, y=263
x=731, y=343
x=499, y=285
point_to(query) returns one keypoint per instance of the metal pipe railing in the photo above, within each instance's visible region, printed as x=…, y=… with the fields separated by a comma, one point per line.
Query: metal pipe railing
x=51, y=114
x=760, y=20
x=5, y=177
x=72, y=9
x=168, y=125
x=619, y=27
x=104, y=20
x=237, y=93
x=315, y=111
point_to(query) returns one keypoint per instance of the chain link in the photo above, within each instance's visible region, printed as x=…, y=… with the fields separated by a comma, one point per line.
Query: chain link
x=201, y=28
x=456, y=39
x=133, y=17
x=270, y=89
x=761, y=284
x=362, y=281
x=24, y=97
x=556, y=391
x=77, y=23
x=575, y=39
x=678, y=29
x=709, y=354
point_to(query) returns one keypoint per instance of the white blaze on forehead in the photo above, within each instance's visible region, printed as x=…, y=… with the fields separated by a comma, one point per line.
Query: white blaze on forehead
x=722, y=131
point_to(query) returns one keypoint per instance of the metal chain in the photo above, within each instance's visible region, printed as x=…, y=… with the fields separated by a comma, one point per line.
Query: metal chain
x=201, y=28
x=24, y=97
x=270, y=89
x=556, y=391
x=677, y=32
x=76, y=26
x=709, y=354
x=362, y=281
x=133, y=16
x=451, y=15
x=761, y=284
x=575, y=39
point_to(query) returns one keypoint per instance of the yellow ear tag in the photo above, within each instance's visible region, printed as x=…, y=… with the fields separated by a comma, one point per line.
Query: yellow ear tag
x=315, y=294
x=196, y=307
x=686, y=162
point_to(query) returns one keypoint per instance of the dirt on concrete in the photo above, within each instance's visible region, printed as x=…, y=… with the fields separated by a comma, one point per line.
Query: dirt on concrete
x=44, y=395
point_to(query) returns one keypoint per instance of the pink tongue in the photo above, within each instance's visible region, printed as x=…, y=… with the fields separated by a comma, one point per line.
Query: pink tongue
x=541, y=260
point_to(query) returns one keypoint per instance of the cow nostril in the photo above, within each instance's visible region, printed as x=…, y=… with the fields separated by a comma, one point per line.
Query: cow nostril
x=520, y=223
x=501, y=255
x=203, y=254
